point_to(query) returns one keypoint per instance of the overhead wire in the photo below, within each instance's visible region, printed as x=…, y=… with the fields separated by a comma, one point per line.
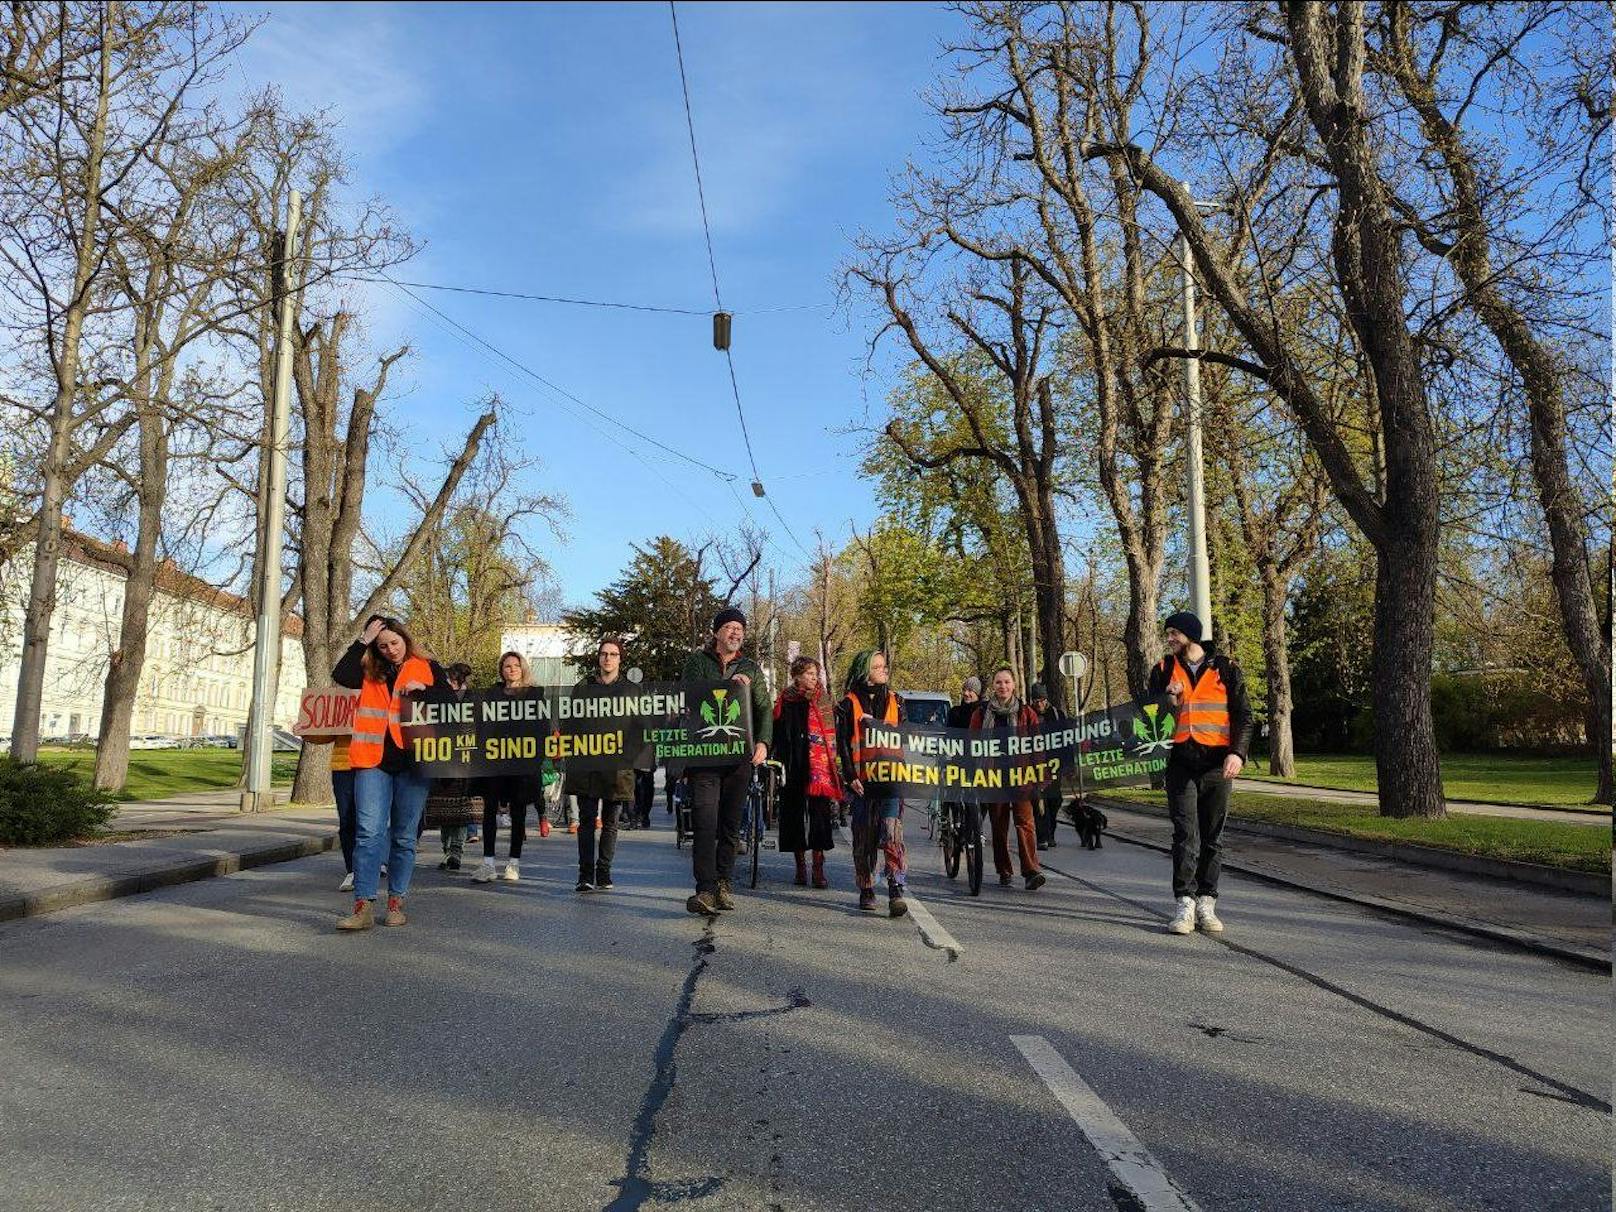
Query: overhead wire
x=535, y=375
x=537, y=298
x=712, y=265
x=461, y=333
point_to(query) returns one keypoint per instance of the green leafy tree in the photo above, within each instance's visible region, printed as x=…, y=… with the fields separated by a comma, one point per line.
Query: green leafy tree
x=662, y=606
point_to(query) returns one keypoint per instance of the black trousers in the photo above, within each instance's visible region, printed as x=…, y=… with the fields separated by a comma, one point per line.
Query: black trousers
x=1198, y=803
x=593, y=864
x=509, y=792
x=644, y=796
x=716, y=800
x=1045, y=813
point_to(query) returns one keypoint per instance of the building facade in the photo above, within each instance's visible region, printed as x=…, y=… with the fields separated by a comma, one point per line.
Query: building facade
x=545, y=647
x=197, y=679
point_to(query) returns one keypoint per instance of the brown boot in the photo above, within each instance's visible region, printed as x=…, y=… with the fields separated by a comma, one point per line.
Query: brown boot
x=819, y=870
x=363, y=917
x=722, y=898
x=395, y=912
x=802, y=871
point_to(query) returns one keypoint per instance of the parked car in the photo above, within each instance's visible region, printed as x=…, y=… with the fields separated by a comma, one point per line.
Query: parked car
x=925, y=707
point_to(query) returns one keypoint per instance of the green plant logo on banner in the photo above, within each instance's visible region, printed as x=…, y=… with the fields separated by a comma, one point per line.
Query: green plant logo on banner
x=1155, y=732
x=723, y=715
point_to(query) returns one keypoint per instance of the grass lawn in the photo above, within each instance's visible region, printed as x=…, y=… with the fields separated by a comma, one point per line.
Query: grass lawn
x=156, y=773
x=1486, y=778
x=1554, y=843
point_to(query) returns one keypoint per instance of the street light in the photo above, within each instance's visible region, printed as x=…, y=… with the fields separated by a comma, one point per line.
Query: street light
x=1200, y=568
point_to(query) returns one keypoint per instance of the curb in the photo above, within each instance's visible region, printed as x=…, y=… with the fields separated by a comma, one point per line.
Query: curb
x=1578, y=883
x=1495, y=934
x=111, y=887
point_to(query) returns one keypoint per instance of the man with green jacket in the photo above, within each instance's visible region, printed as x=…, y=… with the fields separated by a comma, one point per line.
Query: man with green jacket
x=717, y=794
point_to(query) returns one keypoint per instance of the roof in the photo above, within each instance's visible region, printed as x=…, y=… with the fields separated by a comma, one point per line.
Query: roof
x=114, y=558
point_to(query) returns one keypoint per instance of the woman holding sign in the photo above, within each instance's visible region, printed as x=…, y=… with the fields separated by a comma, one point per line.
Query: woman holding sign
x=1004, y=711
x=804, y=743
x=877, y=807
x=510, y=792
x=389, y=790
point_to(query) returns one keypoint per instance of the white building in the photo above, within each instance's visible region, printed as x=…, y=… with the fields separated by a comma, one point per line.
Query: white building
x=545, y=647
x=198, y=673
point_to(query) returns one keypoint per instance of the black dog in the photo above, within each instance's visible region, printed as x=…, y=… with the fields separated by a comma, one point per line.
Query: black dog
x=1089, y=821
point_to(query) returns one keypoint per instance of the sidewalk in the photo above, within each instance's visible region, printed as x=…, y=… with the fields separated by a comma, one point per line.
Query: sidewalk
x=1521, y=812
x=193, y=836
x=1562, y=924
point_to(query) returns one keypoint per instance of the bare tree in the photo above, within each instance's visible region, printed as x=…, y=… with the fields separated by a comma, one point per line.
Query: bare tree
x=1005, y=324
x=1326, y=49
x=332, y=481
x=1439, y=71
x=171, y=270
x=81, y=145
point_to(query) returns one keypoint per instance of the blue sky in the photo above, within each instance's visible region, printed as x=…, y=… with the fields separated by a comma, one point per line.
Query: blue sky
x=543, y=149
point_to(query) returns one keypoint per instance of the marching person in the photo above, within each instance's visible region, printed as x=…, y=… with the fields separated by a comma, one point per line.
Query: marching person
x=1046, y=810
x=805, y=745
x=507, y=793
x=959, y=715
x=342, y=791
x=606, y=791
x=453, y=837
x=877, y=807
x=717, y=794
x=1004, y=710
x=389, y=789
x=1210, y=742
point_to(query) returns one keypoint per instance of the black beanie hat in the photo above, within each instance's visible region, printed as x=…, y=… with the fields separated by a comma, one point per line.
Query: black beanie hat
x=1186, y=624
x=728, y=615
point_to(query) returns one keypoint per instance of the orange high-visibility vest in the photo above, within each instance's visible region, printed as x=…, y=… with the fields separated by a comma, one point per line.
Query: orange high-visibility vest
x=377, y=714
x=861, y=753
x=1204, y=711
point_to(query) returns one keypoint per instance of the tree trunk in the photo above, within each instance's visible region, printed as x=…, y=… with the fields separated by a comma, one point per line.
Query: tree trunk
x=129, y=661
x=1277, y=666
x=1406, y=761
x=1139, y=630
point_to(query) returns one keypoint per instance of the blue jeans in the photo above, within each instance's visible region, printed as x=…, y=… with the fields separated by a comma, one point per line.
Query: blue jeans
x=389, y=815
x=342, y=788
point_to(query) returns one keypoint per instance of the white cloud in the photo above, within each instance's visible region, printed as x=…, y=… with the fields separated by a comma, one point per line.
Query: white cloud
x=352, y=60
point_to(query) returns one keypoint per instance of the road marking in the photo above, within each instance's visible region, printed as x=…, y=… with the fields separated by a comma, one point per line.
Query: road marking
x=1129, y=1160
x=932, y=932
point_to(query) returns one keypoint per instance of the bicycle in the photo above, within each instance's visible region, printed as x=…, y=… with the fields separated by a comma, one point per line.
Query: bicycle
x=757, y=817
x=682, y=828
x=958, y=828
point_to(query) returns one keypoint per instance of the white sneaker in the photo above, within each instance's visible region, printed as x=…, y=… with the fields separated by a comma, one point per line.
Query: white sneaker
x=1206, y=914
x=1184, y=923
x=513, y=871
x=347, y=883
x=485, y=873
x=384, y=870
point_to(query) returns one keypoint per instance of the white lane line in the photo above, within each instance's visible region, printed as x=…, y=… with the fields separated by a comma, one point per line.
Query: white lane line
x=1129, y=1160
x=931, y=930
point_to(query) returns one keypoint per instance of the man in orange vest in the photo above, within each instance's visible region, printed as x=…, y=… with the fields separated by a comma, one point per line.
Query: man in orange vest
x=1210, y=741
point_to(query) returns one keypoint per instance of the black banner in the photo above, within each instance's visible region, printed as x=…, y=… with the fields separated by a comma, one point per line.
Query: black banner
x=674, y=725
x=1121, y=747
x=586, y=727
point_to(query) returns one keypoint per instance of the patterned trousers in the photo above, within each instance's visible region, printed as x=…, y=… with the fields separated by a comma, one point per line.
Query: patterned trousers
x=878, y=827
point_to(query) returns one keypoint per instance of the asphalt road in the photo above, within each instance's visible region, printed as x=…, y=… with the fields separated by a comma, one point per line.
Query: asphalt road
x=218, y=1045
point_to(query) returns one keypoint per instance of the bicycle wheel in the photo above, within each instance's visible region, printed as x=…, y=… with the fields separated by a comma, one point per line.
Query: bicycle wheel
x=973, y=848
x=757, y=838
x=951, y=843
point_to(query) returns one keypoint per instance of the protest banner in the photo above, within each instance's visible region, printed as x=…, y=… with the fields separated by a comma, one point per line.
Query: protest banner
x=587, y=727
x=1126, y=745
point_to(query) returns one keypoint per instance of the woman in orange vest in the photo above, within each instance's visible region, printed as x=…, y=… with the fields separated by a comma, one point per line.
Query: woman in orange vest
x=877, y=806
x=1210, y=743
x=389, y=791
x=1004, y=708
